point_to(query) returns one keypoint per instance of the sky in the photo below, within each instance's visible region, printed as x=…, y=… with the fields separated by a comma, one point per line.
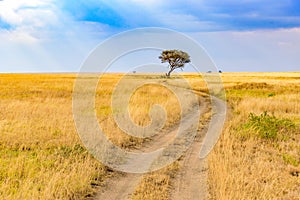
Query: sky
x=58, y=35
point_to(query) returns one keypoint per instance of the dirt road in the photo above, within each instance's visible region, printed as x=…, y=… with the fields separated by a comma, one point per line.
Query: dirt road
x=191, y=181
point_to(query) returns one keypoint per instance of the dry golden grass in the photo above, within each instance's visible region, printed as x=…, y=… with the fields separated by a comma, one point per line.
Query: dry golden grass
x=41, y=154
x=156, y=185
x=140, y=105
x=42, y=157
x=245, y=165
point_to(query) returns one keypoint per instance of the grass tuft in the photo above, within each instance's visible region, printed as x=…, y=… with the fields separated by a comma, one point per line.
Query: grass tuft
x=290, y=159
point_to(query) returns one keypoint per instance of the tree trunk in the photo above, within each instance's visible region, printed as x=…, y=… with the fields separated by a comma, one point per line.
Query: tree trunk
x=169, y=73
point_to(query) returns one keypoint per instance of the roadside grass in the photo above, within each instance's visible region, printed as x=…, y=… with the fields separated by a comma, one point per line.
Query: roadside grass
x=258, y=154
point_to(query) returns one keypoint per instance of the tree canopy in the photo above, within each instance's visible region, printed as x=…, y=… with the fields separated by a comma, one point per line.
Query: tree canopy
x=175, y=58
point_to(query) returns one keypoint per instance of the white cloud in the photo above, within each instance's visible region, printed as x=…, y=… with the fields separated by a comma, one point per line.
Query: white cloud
x=17, y=12
x=27, y=18
x=43, y=38
x=38, y=20
x=18, y=35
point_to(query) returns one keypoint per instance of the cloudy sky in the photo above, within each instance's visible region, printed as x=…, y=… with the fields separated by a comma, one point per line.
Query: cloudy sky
x=58, y=35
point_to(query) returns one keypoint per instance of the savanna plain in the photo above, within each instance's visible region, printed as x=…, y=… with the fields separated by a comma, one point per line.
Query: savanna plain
x=42, y=157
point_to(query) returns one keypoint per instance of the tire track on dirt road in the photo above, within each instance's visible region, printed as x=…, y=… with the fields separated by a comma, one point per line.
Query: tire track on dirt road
x=191, y=181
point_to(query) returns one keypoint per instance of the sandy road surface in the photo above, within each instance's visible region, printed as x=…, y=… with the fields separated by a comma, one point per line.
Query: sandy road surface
x=191, y=181
x=123, y=185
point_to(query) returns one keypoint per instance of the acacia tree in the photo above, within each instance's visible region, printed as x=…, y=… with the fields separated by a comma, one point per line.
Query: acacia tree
x=175, y=58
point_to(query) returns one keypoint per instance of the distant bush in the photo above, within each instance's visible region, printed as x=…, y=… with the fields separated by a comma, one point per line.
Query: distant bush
x=268, y=126
x=271, y=94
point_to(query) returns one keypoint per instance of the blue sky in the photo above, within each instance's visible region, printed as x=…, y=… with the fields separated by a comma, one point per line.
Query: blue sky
x=57, y=35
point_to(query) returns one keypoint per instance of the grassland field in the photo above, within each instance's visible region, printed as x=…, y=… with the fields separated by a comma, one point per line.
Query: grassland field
x=42, y=157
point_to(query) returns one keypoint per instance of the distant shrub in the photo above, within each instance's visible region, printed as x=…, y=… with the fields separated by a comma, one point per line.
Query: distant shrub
x=268, y=126
x=271, y=94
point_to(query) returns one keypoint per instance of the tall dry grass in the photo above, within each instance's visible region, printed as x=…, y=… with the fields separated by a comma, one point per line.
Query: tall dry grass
x=245, y=164
x=41, y=154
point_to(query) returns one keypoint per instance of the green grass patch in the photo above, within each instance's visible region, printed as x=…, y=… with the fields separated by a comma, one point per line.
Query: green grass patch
x=290, y=159
x=266, y=126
